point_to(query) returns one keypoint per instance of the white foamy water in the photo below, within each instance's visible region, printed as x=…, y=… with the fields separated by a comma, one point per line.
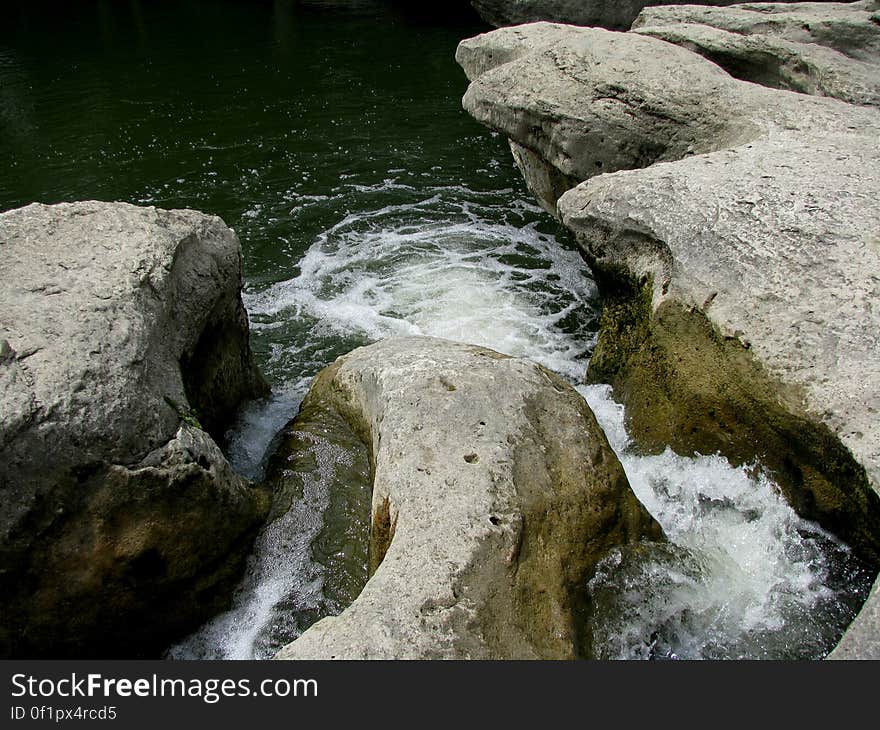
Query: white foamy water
x=281, y=572
x=258, y=424
x=742, y=574
x=443, y=265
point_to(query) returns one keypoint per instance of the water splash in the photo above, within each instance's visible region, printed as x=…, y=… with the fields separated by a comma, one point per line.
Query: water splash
x=283, y=592
x=741, y=577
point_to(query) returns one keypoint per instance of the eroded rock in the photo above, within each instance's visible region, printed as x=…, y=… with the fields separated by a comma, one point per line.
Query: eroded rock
x=123, y=336
x=733, y=231
x=850, y=28
x=822, y=49
x=495, y=493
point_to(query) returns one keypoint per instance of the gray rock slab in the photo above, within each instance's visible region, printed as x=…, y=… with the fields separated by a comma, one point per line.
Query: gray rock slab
x=850, y=28
x=862, y=638
x=822, y=49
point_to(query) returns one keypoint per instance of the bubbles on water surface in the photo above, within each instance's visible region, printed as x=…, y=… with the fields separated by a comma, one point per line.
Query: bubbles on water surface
x=741, y=575
x=453, y=264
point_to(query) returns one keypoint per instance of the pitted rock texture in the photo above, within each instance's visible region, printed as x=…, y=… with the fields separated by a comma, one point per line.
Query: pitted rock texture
x=495, y=493
x=822, y=49
x=122, y=334
x=733, y=230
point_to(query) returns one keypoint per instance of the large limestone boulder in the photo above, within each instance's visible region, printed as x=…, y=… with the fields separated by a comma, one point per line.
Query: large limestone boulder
x=823, y=49
x=578, y=102
x=495, y=494
x=733, y=230
x=123, y=350
x=618, y=14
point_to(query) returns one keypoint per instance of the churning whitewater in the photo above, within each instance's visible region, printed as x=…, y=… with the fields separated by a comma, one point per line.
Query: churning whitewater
x=331, y=137
x=742, y=575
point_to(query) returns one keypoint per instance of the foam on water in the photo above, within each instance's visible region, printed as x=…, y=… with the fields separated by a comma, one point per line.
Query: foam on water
x=449, y=265
x=742, y=575
x=446, y=261
x=259, y=422
x=280, y=573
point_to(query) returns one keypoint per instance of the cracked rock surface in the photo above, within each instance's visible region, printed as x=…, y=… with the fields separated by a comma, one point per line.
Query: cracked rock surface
x=122, y=337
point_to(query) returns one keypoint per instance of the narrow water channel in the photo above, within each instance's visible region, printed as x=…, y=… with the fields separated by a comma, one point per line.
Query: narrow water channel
x=330, y=136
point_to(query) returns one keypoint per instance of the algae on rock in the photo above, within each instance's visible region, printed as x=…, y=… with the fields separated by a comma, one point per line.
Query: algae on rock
x=123, y=334
x=495, y=494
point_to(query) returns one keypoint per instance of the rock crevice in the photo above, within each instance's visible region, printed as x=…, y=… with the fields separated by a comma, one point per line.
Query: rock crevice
x=118, y=535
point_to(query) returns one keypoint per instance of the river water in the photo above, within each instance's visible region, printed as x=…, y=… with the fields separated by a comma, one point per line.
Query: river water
x=330, y=136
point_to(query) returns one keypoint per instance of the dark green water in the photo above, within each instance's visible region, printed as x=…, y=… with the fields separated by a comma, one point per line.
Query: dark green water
x=232, y=107
x=283, y=118
x=330, y=136
x=222, y=104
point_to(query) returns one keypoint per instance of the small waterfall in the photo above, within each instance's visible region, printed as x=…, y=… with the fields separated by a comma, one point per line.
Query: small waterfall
x=742, y=574
x=742, y=577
